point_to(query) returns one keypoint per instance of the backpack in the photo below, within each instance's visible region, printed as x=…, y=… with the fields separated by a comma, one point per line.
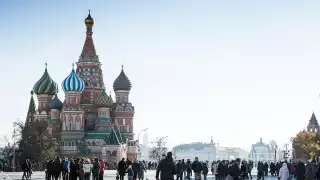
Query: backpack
x=65, y=165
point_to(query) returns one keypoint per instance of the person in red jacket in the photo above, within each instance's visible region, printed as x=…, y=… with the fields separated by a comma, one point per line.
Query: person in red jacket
x=101, y=171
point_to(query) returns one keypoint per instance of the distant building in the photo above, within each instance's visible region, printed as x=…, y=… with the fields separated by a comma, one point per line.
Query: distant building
x=204, y=151
x=261, y=151
x=208, y=152
x=237, y=152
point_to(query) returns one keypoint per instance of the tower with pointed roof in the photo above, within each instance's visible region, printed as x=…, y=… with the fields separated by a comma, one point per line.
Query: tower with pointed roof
x=88, y=114
x=45, y=88
x=123, y=109
x=54, y=123
x=313, y=125
x=31, y=115
x=72, y=114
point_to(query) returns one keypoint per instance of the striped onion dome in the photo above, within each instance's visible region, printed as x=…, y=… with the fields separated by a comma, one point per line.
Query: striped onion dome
x=45, y=85
x=73, y=83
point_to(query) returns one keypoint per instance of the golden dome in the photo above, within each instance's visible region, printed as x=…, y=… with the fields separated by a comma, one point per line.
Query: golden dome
x=89, y=19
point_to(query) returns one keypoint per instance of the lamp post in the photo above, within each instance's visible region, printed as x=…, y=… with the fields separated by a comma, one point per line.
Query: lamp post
x=139, y=149
x=286, y=152
x=293, y=141
x=139, y=134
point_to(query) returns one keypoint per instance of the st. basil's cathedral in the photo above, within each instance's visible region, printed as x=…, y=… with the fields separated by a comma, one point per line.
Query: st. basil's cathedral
x=88, y=114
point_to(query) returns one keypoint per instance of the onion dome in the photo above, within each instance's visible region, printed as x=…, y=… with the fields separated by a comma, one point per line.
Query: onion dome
x=45, y=85
x=89, y=19
x=104, y=99
x=122, y=82
x=73, y=82
x=55, y=103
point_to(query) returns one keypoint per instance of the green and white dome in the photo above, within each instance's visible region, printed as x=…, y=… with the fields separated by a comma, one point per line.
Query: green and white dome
x=45, y=85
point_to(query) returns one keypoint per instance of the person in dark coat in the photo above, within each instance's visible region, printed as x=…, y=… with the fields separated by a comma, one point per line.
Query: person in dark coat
x=25, y=168
x=135, y=169
x=188, y=169
x=205, y=170
x=73, y=170
x=95, y=169
x=167, y=168
x=301, y=171
x=56, y=169
x=260, y=169
x=197, y=168
x=266, y=169
x=179, y=167
x=278, y=166
x=234, y=170
x=122, y=167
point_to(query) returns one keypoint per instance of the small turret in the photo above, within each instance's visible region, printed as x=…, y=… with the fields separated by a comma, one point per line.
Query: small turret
x=122, y=86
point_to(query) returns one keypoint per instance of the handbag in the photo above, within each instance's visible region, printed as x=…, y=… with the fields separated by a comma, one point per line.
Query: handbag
x=117, y=176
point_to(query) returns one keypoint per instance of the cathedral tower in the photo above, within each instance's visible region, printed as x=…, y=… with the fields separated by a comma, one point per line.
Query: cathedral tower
x=45, y=89
x=31, y=115
x=313, y=125
x=123, y=109
x=56, y=106
x=72, y=114
x=89, y=69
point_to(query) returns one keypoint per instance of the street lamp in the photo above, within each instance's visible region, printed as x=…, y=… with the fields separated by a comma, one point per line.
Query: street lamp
x=139, y=134
x=139, y=150
x=293, y=141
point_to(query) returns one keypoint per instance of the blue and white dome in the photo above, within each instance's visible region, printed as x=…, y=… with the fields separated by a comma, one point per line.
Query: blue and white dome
x=73, y=83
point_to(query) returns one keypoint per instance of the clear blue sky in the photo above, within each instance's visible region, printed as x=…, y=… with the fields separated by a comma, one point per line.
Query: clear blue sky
x=234, y=70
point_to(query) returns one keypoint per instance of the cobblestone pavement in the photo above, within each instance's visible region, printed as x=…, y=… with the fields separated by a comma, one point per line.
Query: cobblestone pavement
x=108, y=175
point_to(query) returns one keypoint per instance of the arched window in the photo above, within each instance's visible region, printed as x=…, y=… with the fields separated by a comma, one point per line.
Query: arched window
x=119, y=108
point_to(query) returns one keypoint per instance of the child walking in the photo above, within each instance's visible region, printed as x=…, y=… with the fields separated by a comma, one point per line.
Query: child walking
x=130, y=172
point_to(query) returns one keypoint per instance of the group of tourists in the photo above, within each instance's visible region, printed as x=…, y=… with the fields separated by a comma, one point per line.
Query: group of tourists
x=236, y=169
x=168, y=168
x=70, y=169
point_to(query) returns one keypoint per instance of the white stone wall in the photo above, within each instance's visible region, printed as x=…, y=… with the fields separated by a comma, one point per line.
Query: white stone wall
x=203, y=154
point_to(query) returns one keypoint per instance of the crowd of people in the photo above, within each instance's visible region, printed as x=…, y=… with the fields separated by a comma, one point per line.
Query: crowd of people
x=168, y=168
x=237, y=169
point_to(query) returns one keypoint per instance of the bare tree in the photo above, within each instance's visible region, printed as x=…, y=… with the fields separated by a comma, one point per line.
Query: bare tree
x=159, y=148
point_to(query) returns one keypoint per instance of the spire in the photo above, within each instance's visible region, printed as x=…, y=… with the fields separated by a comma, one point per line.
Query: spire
x=31, y=110
x=113, y=139
x=110, y=97
x=104, y=99
x=88, y=53
x=313, y=120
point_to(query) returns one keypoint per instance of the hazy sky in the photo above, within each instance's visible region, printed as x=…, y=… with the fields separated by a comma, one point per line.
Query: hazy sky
x=234, y=70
